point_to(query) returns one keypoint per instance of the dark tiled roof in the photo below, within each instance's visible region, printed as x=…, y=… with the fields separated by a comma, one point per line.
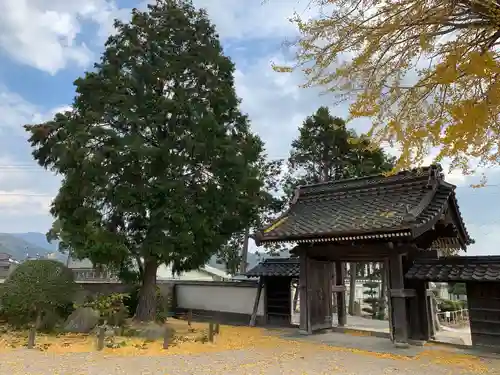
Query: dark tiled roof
x=5, y=256
x=276, y=267
x=405, y=204
x=484, y=268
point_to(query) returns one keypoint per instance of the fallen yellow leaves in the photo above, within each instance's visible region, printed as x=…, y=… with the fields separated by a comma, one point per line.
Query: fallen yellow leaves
x=357, y=333
x=187, y=341
x=467, y=362
x=50, y=343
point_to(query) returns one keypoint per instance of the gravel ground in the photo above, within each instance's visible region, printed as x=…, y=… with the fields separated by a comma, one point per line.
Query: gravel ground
x=289, y=361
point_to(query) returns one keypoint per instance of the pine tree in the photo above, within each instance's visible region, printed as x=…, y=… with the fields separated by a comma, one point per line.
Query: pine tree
x=371, y=299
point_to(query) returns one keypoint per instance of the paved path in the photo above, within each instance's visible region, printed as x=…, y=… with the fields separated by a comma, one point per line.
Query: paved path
x=459, y=336
x=319, y=354
x=239, y=362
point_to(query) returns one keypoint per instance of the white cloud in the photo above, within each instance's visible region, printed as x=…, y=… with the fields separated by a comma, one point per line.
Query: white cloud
x=254, y=19
x=43, y=33
x=21, y=202
x=275, y=103
x=248, y=20
x=10, y=171
x=26, y=194
x=23, y=210
x=26, y=190
x=487, y=237
x=455, y=176
x=277, y=106
x=16, y=112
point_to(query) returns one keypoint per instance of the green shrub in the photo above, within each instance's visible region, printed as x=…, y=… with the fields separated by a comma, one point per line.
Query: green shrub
x=457, y=289
x=449, y=305
x=36, y=288
x=111, y=308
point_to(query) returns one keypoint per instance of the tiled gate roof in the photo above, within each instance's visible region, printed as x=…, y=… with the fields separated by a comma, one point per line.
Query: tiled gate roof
x=276, y=267
x=406, y=204
x=479, y=268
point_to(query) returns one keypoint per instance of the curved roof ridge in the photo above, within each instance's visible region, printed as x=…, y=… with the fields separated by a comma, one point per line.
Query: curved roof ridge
x=432, y=172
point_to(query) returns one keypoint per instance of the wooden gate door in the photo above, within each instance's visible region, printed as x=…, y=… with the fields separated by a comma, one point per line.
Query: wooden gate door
x=483, y=300
x=320, y=304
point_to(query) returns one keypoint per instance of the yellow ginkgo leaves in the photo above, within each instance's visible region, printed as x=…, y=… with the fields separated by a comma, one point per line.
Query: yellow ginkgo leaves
x=427, y=73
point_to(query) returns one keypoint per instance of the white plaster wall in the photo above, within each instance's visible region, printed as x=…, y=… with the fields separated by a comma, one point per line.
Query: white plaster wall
x=196, y=275
x=233, y=299
x=165, y=273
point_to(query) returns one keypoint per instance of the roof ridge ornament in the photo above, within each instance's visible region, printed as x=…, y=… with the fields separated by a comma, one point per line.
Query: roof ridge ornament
x=409, y=215
x=296, y=194
x=435, y=175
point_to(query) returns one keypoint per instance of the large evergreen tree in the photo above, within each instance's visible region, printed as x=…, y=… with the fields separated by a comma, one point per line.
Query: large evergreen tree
x=327, y=150
x=158, y=162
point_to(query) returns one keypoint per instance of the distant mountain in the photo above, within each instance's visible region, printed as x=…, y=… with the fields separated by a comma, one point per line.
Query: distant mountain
x=37, y=239
x=33, y=243
x=19, y=248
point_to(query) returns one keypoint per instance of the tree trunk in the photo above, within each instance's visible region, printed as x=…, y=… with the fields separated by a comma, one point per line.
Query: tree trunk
x=38, y=320
x=244, y=252
x=352, y=288
x=146, y=306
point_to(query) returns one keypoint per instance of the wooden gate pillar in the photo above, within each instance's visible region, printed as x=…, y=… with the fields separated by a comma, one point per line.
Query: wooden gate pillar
x=305, y=306
x=419, y=313
x=398, y=297
x=340, y=290
x=424, y=310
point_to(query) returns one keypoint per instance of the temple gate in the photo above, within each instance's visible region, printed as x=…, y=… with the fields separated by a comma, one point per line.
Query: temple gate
x=397, y=219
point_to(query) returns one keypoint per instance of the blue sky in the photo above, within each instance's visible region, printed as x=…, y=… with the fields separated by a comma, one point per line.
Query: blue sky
x=46, y=44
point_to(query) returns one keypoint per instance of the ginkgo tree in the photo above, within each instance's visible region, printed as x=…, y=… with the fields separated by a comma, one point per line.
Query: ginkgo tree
x=425, y=72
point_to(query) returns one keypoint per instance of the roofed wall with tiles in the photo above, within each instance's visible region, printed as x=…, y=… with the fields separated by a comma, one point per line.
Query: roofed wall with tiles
x=457, y=268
